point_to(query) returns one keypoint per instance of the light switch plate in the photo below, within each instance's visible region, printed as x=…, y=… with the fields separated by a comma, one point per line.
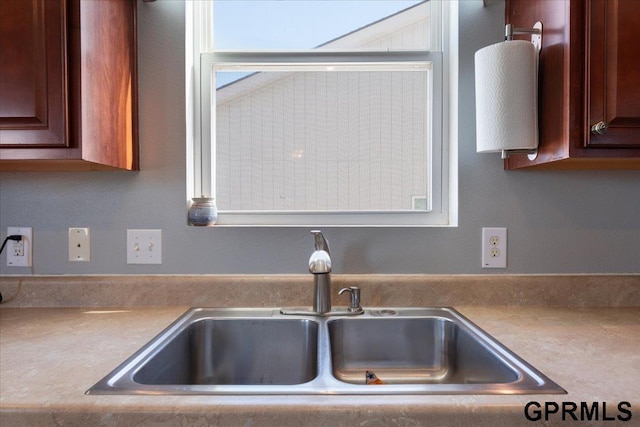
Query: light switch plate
x=144, y=246
x=79, y=244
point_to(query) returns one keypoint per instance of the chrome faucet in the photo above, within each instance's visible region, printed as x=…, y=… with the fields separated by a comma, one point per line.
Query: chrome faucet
x=320, y=267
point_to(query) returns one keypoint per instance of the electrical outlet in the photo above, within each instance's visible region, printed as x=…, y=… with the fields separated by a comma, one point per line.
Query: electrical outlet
x=494, y=248
x=18, y=248
x=79, y=244
x=144, y=246
x=19, y=253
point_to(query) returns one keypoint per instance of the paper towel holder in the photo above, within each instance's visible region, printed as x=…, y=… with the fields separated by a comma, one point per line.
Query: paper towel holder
x=536, y=33
x=536, y=40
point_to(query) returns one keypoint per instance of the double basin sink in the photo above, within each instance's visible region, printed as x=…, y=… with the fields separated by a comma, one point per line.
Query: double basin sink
x=261, y=351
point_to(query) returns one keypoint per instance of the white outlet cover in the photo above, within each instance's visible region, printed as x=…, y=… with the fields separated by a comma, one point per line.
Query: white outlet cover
x=27, y=243
x=494, y=247
x=79, y=244
x=144, y=246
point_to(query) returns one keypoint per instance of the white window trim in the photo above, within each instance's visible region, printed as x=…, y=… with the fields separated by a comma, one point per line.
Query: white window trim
x=199, y=155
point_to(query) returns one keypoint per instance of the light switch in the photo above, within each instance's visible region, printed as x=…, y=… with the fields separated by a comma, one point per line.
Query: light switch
x=144, y=246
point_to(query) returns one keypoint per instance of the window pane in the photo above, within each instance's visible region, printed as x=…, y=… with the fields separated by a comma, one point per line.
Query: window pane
x=333, y=140
x=327, y=24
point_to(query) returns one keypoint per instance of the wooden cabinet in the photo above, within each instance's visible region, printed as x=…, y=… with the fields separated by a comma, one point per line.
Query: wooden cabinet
x=68, y=85
x=613, y=72
x=33, y=82
x=589, y=75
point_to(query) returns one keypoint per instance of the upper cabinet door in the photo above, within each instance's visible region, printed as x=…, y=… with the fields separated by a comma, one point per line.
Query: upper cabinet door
x=589, y=79
x=68, y=85
x=613, y=67
x=33, y=77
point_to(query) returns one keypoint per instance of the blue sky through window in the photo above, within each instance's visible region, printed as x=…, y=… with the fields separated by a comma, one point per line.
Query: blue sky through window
x=291, y=24
x=294, y=24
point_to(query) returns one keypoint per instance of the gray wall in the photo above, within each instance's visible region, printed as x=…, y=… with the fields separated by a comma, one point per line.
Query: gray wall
x=559, y=222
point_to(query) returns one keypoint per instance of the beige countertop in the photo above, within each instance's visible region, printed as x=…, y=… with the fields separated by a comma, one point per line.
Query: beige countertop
x=49, y=357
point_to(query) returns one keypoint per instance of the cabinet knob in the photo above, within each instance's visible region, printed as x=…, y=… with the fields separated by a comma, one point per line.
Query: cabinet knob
x=599, y=128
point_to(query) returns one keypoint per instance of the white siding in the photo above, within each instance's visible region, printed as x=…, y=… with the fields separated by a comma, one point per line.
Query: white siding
x=341, y=140
x=324, y=140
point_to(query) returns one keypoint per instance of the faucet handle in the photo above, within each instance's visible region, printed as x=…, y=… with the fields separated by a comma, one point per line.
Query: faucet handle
x=354, y=307
x=320, y=242
x=320, y=260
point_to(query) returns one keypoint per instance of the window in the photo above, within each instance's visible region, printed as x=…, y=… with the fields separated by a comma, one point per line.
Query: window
x=296, y=121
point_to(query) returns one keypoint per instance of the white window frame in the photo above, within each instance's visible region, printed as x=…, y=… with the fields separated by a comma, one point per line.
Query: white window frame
x=442, y=209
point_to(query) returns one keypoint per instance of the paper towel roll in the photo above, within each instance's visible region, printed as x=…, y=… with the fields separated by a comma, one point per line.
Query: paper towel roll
x=507, y=96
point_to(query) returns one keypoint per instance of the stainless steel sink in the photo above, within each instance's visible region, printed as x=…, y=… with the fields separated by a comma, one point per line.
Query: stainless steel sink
x=427, y=350
x=235, y=351
x=261, y=351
